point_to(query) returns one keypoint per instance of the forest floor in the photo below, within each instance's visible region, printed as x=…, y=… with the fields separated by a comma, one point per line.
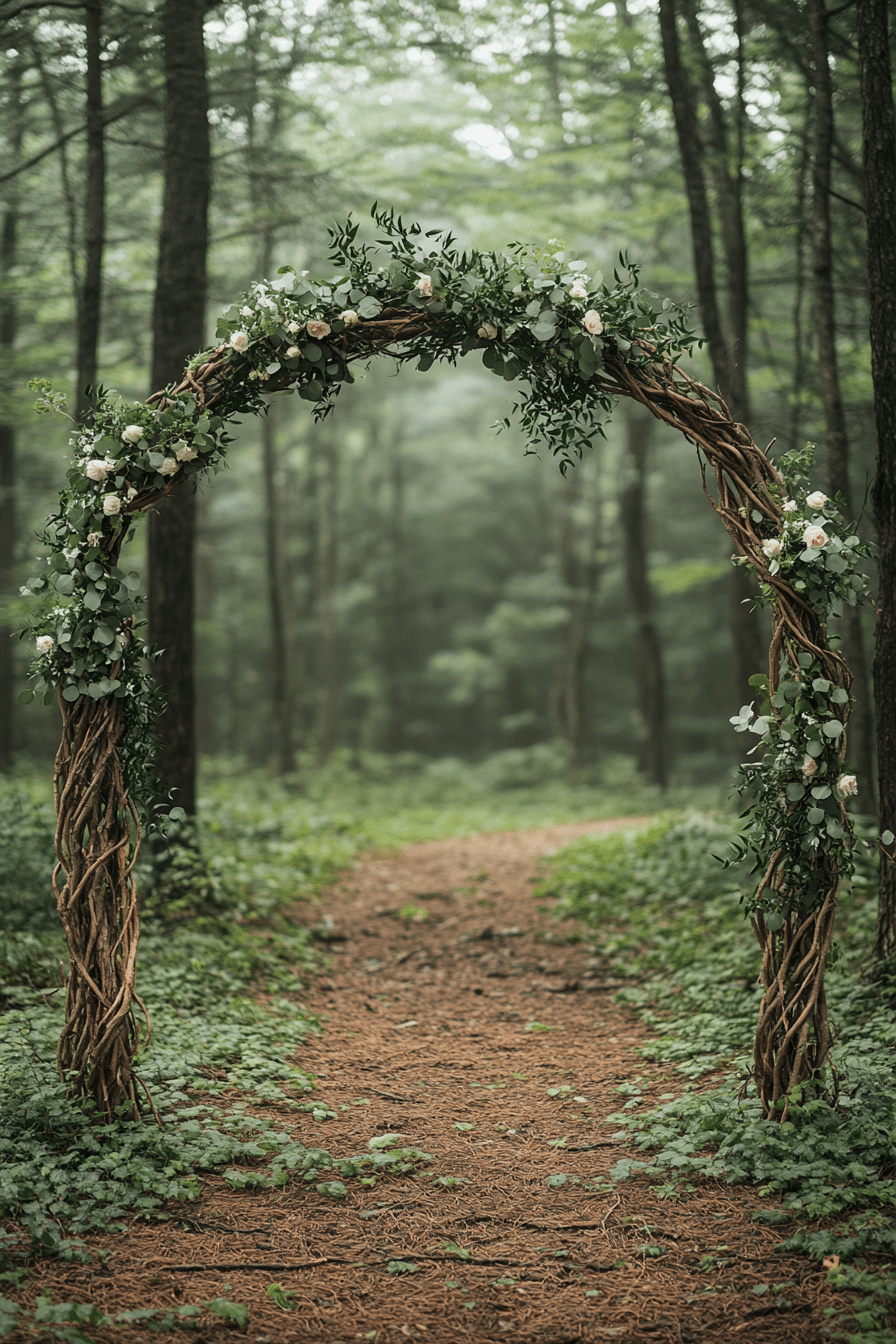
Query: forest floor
x=478, y=1033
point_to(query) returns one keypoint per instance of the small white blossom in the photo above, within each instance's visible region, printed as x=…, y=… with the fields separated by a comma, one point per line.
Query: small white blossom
x=810, y=766
x=592, y=322
x=264, y=302
x=111, y=505
x=814, y=537
x=245, y=312
x=771, y=547
x=790, y=506
x=349, y=317
x=239, y=341
x=94, y=538
x=185, y=453
x=132, y=434
x=424, y=285
x=292, y=328
x=317, y=329
x=132, y=493
x=293, y=352
x=847, y=786
x=816, y=500
x=45, y=643
x=578, y=291
x=487, y=332
x=24, y=591
x=169, y=467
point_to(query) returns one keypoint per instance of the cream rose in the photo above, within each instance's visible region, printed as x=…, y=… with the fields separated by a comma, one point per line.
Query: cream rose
x=94, y=538
x=810, y=766
x=293, y=352
x=790, y=506
x=592, y=323
x=487, y=332
x=132, y=434
x=45, y=643
x=814, y=537
x=98, y=468
x=317, y=329
x=169, y=467
x=349, y=317
x=424, y=285
x=816, y=500
x=847, y=786
x=771, y=547
x=245, y=312
x=186, y=454
x=578, y=291
x=111, y=505
x=239, y=341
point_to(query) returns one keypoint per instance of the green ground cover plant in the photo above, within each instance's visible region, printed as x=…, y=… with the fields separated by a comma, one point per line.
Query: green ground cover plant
x=668, y=915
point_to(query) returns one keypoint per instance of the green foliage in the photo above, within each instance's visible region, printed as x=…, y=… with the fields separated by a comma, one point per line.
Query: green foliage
x=62, y=1320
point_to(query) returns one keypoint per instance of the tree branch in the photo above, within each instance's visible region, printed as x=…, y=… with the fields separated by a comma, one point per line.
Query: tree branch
x=123, y=111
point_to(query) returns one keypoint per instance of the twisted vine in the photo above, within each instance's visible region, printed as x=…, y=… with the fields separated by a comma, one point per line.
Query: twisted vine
x=534, y=316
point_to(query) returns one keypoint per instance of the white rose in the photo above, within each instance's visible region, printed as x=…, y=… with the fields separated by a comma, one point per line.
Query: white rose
x=239, y=341
x=816, y=500
x=847, y=786
x=132, y=434
x=349, y=317
x=111, y=505
x=318, y=329
x=293, y=352
x=169, y=467
x=94, y=538
x=592, y=323
x=578, y=291
x=45, y=643
x=185, y=453
x=292, y=327
x=98, y=468
x=245, y=312
x=815, y=537
x=132, y=493
x=790, y=506
x=771, y=547
x=810, y=765
x=424, y=285
x=487, y=332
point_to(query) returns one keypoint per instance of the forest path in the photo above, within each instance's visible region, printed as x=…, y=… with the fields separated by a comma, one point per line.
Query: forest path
x=453, y=1030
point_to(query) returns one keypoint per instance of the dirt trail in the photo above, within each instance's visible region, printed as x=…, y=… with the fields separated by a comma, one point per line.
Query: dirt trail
x=453, y=1029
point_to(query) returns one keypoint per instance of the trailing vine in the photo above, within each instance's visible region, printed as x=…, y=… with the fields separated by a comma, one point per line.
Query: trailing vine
x=573, y=344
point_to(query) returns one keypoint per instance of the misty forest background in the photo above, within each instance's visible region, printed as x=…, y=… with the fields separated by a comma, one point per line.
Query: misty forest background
x=400, y=590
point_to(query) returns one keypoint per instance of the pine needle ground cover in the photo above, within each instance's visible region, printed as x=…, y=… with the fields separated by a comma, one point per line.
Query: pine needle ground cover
x=266, y=1130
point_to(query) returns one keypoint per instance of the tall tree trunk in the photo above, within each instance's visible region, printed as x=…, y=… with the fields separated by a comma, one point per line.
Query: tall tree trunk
x=649, y=658
x=9, y=227
x=394, y=626
x=278, y=597
x=879, y=160
x=579, y=570
x=178, y=332
x=861, y=749
x=729, y=358
x=328, y=581
x=90, y=292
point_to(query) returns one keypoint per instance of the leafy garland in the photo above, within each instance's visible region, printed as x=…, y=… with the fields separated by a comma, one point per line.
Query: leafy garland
x=539, y=319
x=799, y=787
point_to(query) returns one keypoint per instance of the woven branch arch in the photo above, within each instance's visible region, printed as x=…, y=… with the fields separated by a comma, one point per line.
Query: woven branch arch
x=529, y=316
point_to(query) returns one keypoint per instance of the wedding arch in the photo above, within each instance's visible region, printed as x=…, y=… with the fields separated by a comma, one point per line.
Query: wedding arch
x=574, y=344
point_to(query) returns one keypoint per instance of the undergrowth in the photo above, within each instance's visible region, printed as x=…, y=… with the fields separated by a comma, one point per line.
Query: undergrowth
x=667, y=916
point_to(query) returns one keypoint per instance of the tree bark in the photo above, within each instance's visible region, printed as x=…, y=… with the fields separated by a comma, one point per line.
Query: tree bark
x=879, y=161
x=90, y=290
x=580, y=571
x=748, y=645
x=861, y=751
x=9, y=228
x=649, y=659
x=328, y=579
x=178, y=332
x=278, y=599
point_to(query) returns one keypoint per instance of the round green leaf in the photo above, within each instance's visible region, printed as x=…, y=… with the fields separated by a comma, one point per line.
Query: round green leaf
x=833, y=728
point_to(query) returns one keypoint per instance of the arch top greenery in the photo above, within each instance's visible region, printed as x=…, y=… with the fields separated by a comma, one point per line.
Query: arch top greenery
x=574, y=345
